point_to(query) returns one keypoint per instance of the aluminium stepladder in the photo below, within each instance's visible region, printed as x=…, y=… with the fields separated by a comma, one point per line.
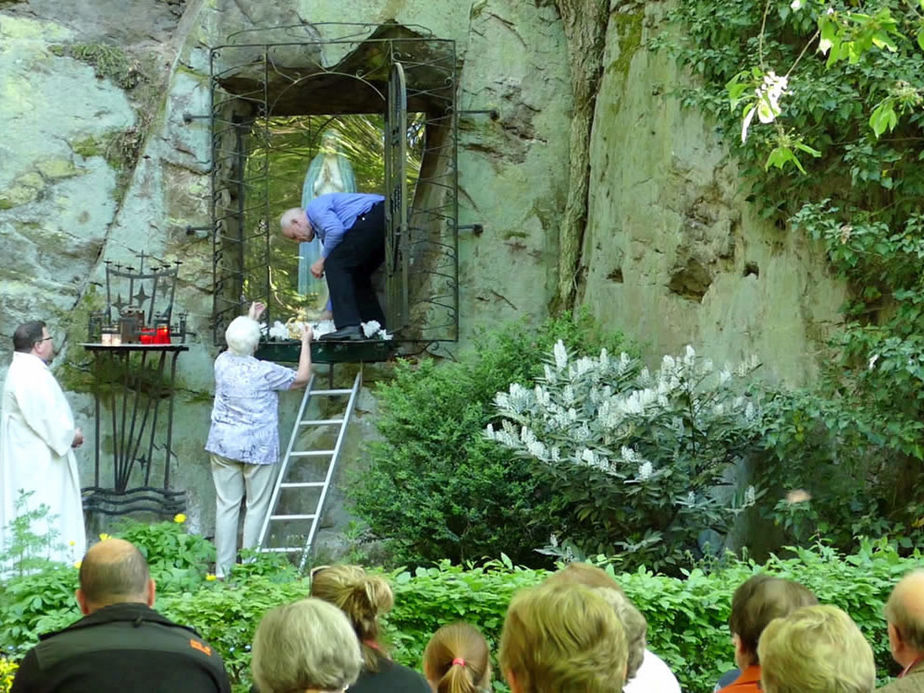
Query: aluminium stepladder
x=291, y=473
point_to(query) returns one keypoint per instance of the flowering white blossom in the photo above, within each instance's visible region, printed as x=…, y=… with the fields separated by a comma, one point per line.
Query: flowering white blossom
x=645, y=470
x=561, y=355
x=767, y=107
x=796, y=5
x=824, y=45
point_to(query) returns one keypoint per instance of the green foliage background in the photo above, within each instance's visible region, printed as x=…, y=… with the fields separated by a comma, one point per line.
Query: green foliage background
x=860, y=199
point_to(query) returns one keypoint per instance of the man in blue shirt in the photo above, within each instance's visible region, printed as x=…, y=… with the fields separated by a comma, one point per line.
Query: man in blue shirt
x=351, y=227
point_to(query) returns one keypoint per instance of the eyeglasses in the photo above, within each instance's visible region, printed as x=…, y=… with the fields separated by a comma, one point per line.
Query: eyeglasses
x=44, y=339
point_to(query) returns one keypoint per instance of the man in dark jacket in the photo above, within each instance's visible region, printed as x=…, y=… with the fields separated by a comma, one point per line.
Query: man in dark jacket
x=121, y=643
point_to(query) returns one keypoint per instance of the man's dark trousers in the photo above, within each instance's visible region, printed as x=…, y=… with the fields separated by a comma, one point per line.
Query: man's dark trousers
x=349, y=270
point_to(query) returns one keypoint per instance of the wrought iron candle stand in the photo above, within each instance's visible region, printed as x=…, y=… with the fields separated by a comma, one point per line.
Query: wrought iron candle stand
x=135, y=343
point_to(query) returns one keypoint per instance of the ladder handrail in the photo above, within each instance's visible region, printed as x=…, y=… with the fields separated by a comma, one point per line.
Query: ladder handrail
x=285, y=463
x=293, y=454
x=347, y=415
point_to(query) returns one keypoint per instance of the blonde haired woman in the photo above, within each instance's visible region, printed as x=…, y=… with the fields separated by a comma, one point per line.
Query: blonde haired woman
x=457, y=660
x=815, y=649
x=364, y=598
x=305, y=647
x=563, y=639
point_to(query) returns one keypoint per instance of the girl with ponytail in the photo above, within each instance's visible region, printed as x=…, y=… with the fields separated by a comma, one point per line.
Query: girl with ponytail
x=457, y=660
x=363, y=598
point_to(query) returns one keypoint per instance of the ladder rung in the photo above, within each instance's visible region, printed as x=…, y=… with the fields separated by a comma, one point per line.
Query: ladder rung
x=300, y=484
x=332, y=392
x=292, y=517
x=311, y=453
x=319, y=422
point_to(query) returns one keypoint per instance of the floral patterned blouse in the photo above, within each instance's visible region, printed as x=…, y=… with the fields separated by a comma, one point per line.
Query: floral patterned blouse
x=245, y=417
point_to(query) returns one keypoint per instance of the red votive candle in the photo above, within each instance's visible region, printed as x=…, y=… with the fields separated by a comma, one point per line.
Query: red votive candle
x=163, y=334
x=147, y=335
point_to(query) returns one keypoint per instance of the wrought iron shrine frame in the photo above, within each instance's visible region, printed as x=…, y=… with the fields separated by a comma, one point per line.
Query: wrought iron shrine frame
x=258, y=75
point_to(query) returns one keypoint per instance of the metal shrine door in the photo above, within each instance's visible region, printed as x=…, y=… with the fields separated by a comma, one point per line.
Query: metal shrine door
x=397, y=249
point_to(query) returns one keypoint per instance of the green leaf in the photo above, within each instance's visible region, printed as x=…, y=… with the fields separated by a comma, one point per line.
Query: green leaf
x=782, y=155
x=883, y=117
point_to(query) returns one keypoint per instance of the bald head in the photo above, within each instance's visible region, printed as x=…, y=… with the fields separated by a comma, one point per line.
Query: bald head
x=114, y=572
x=905, y=613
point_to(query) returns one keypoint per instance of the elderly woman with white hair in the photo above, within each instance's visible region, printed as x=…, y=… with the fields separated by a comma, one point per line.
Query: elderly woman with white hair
x=305, y=647
x=243, y=439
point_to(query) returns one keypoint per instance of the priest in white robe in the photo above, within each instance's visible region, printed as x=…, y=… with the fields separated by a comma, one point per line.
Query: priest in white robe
x=37, y=441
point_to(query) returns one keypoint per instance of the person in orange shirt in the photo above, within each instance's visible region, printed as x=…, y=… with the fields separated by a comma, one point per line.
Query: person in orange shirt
x=756, y=602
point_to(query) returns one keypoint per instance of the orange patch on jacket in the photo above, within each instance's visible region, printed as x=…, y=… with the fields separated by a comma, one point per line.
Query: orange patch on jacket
x=202, y=647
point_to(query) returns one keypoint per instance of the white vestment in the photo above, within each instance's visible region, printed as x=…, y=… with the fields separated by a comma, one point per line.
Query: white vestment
x=36, y=432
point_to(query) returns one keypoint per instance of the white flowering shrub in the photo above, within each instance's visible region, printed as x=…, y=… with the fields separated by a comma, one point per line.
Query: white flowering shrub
x=635, y=458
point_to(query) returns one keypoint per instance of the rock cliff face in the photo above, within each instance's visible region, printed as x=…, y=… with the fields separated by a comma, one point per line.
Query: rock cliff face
x=98, y=163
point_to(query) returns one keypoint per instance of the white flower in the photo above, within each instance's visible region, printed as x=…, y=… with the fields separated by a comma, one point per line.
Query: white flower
x=767, y=107
x=561, y=355
x=824, y=45
x=768, y=97
x=371, y=328
x=796, y=5
x=872, y=361
x=750, y=496
x=644, y=471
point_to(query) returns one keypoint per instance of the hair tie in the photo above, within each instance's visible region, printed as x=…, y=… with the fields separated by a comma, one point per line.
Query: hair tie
x=459, y=661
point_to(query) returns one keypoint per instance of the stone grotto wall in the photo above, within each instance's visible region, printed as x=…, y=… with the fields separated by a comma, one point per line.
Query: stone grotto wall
x=97, y=163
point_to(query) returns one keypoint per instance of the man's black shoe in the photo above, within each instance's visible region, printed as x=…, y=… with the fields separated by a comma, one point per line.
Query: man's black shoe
x=350, y=333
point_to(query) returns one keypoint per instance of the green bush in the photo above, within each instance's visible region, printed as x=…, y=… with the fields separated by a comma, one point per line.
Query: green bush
x=435, y=488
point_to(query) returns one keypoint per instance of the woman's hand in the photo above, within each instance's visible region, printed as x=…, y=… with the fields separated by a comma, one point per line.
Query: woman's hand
x=256, y=310
x=307, y=334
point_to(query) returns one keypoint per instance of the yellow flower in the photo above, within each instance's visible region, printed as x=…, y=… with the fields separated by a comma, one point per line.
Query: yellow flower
x=72, y=543
x=77, y=564
x=210, y=577
x=179, y=518
x=104, y=536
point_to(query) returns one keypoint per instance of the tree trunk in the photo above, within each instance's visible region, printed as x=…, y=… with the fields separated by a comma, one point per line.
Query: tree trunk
x=585, y=23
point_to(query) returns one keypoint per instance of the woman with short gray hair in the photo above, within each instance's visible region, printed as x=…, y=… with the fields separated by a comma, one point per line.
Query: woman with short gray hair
x=308, y=646
x=243, y=439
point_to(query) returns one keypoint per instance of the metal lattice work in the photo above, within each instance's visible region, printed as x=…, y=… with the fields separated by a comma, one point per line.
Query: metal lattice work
x=274, y=92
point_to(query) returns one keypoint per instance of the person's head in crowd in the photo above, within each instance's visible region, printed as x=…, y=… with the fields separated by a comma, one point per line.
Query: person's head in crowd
x=757, y=601
x=633, y=624
x=457, y=660
x=560, y=638
x=815, y=649
x=904, y=614
x=308, y=646
x=242, y=335
x=113, y=572
x=362, y=597
x=583, y=574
